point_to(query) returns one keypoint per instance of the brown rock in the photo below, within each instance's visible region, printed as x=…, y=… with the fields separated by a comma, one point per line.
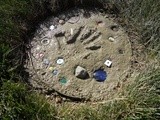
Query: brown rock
x=58, y=99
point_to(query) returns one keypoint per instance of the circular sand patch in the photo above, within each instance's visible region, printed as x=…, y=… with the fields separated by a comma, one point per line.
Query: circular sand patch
x=57, y=49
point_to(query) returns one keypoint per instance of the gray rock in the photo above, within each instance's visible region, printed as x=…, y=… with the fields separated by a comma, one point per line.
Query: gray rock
x=81, y=73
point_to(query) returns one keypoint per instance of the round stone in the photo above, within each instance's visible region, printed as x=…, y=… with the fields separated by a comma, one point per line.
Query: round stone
x=111, y=39
x=61, y=22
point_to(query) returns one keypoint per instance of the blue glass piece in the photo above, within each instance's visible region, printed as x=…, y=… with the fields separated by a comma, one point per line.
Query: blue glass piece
x=100, y=75
x=55, y=72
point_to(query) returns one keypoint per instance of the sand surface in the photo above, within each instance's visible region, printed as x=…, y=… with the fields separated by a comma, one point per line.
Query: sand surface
x=97, y=38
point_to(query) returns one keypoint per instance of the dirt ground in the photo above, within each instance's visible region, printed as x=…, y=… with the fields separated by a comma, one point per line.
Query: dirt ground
x=95, y=39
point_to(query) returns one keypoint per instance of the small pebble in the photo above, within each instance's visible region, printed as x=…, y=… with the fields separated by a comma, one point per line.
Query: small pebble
x=111, y=39
x=41, y=55
x=46, y=61
x=51, y=68
x=61, y=22
x=58, y=99
x=71, y=31
x=52, y=27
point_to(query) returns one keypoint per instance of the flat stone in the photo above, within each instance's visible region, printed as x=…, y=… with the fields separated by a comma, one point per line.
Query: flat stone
x=81, y=73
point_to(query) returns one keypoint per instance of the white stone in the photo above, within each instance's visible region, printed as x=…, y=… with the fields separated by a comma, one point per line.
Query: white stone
x=61, y=22
x=71, y=31
x=108, y=63
x=111, y=39
x=52, y=27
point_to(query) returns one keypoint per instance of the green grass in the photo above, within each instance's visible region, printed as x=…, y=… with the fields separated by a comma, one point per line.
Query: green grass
x=18, y=102
x=138, y=101
x=144, y=16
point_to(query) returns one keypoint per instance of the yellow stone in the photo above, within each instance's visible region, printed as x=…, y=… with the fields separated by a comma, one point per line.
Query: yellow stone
x=51, y=68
